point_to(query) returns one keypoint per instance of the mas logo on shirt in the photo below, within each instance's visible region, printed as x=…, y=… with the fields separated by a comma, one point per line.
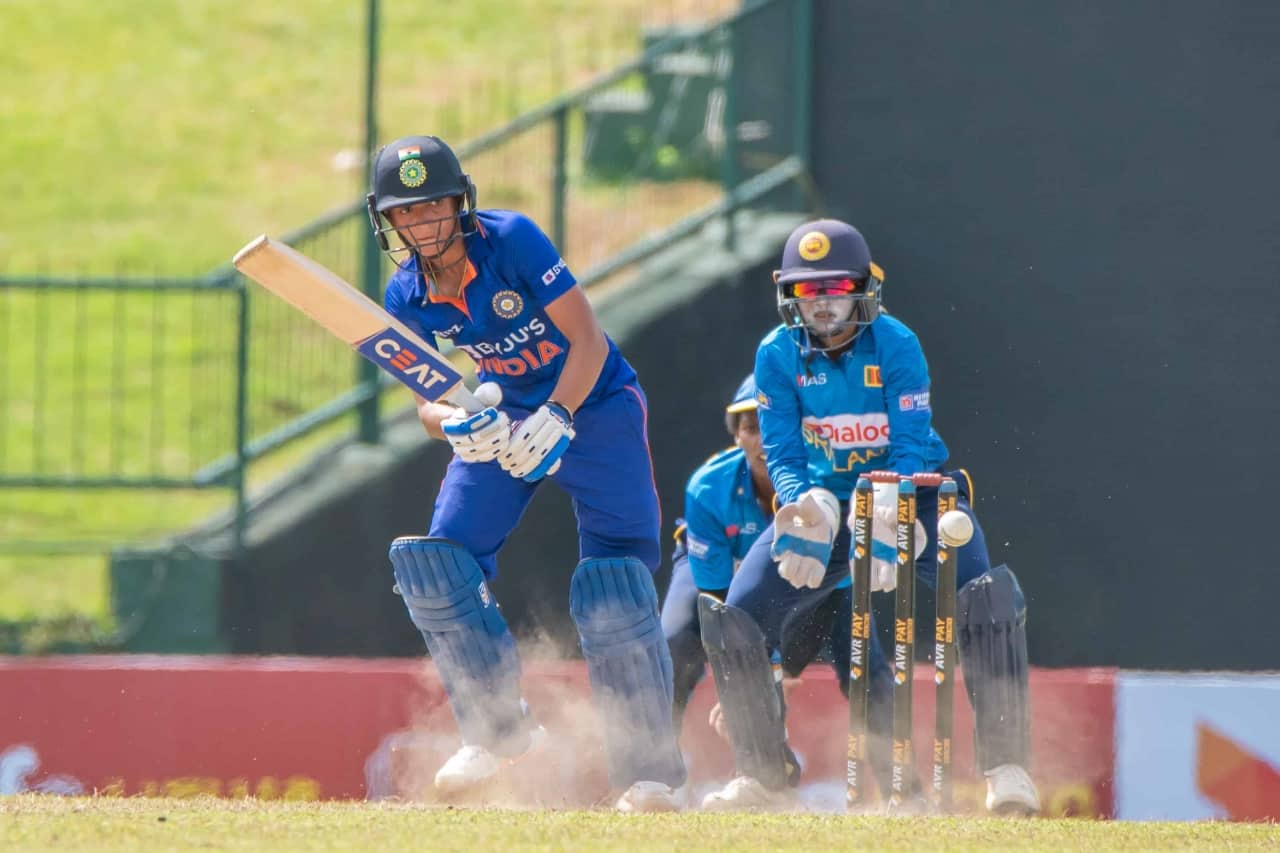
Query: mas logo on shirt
x=814, y=246
x=871, y=376
x=914, y=402
x=554, y=273
x=507, y=304
x=808, y=381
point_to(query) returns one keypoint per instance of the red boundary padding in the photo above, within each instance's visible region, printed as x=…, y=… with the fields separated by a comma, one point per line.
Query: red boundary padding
x=310, y=728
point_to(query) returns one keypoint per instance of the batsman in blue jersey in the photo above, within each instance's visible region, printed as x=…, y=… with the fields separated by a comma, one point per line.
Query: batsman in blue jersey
x=843, y=389
x=563, y=405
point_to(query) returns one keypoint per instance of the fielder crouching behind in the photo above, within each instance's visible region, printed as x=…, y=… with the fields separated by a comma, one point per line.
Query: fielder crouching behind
x=564, y=405
x=843, y=389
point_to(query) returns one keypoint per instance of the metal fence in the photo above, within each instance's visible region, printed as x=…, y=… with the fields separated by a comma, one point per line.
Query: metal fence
x=184, y=383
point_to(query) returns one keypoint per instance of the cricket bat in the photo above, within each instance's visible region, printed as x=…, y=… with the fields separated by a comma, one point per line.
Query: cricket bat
x=355, y=318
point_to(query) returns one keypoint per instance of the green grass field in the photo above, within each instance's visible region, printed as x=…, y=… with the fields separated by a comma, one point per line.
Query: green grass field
x=156, y=144
x=37, y=823
x=154, y=141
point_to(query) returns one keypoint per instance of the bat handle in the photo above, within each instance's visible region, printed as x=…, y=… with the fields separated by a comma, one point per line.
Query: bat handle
x=467, y=399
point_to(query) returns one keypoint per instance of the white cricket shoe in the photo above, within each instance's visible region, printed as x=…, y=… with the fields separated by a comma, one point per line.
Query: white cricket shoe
x=649, y=798
x=474, y=765
x=1011, y=792
x=745, y=793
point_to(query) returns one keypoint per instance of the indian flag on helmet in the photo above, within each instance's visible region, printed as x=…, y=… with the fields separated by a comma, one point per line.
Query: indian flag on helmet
x=413, y=151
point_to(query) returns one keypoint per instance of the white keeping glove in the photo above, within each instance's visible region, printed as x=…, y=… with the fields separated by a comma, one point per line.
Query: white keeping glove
x=802, y=535
x=481, y=436
x=884, y=537
x=538, y=442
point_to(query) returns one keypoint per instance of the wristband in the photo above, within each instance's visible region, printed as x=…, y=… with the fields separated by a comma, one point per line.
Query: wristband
x=561, y=411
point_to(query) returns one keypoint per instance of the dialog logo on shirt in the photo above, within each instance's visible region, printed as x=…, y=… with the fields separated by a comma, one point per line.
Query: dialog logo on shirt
x=847, y=431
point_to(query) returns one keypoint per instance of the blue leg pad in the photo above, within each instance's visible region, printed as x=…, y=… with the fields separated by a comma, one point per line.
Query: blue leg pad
x=991, y=620
x=450, y=603
x=615, y=607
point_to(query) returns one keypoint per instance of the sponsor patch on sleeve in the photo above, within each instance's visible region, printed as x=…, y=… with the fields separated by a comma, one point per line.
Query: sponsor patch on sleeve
x=917, y=401
x=697, y=548
x=762, y=399
x=554, y=273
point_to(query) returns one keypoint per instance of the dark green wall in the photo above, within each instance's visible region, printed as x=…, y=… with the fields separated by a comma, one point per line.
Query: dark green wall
x=1076, y=205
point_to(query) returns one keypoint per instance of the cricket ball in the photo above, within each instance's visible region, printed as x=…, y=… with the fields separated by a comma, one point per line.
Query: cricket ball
x=955, y=528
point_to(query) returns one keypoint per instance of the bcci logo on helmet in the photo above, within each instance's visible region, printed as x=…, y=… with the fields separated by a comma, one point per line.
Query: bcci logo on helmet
x=412, y=173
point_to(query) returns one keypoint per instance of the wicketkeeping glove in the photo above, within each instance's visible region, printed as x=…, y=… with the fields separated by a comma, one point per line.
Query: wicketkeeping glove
x=803, y=532
x=884, y=535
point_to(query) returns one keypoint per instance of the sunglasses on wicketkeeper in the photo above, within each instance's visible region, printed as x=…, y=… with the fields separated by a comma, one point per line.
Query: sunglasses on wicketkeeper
x=825, y=287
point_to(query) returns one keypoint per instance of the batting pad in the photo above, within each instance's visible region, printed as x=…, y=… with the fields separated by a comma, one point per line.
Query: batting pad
x=451, y=605
x=991, y=615
x=615, y=607
x=748, y=695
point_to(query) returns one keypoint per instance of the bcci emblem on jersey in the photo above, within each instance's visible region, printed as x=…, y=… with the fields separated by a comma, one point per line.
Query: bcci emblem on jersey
x=507, y=304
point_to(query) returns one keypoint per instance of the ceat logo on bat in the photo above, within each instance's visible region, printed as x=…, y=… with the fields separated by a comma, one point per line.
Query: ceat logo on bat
x=424, y=371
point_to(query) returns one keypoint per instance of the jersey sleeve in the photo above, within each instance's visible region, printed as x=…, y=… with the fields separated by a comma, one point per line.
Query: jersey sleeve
x=394, y=302
x=781, y=425
x=710, y=552
x=393, y=299
x=534, y=261
x=906, y=397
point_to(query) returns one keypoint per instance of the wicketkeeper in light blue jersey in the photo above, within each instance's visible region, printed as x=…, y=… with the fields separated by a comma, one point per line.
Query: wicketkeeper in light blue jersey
x=843, y=389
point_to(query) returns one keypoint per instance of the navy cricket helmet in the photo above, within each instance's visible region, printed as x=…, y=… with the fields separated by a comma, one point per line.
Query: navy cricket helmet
x=827, y=273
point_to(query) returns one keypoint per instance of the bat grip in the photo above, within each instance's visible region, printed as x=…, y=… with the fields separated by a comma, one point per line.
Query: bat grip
x=468, y=401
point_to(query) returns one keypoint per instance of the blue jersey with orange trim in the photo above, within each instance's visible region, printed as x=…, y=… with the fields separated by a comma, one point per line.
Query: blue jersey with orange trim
x=499, y=317
x=722, y=518
x=826, y=421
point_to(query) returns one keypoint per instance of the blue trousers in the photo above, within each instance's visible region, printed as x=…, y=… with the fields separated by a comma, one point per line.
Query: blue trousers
x=607, y=471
